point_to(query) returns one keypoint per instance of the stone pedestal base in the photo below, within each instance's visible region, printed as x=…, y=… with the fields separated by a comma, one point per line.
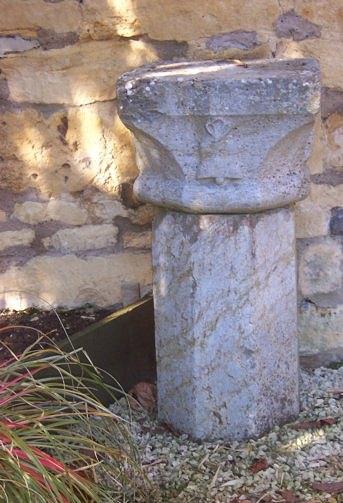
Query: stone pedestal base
x=226, y=331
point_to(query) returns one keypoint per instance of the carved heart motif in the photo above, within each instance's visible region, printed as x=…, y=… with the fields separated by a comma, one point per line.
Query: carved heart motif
x=217, y=128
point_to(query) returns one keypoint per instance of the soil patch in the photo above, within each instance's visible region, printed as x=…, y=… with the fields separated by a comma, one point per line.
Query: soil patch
x=20, y=329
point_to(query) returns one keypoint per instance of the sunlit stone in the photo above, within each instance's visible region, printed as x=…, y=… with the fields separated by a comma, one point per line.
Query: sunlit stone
x=227, y=142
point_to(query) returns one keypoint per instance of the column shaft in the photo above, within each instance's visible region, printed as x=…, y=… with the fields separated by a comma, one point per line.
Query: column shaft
x=225, y=311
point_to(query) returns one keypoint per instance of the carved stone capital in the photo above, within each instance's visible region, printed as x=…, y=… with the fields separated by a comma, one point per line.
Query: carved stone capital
x=221, y=137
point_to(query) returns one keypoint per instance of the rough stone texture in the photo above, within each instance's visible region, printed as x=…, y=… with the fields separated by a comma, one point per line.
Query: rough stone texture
x=312, y=216
x=291, y=25
x=22, y=237
x=320, y=329
x=86, y=153
x=66, y=150
x=75, y=75
x=334, y=136
x=320, y=268
x=328, y=52
x=217, y=326
x=27, y=20
x=232, y=45
x=187, y=20
x=253, y=146
x=32, y=212
x=137, y=240
x=88, y=237
x=16, y=44
x=331, y=102
x=71, y=281
x=336, y=221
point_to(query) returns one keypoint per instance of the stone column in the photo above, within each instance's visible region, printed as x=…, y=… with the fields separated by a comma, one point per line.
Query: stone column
x=222, y=149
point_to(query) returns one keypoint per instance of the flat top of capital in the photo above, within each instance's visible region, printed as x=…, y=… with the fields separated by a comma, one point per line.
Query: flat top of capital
x=228, y=70
x=267, y=86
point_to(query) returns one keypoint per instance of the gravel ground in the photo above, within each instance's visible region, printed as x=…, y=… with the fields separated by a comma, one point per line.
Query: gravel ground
x=284, y=466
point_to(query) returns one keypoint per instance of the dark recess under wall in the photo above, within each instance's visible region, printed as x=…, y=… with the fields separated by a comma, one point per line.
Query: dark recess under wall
x=122, y=345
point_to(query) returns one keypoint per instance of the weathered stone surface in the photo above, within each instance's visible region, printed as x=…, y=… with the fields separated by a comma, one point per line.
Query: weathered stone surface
x=104, y=207
x=71, y=281
x=232, y=45
x=75, y=75
x=225, y=300
x=16, y=44
x=327, y=14
x=142, y=215
x=291, y=25
x=23, y=237
x=31, y=212
x=87, y=237
x=320, y=268
x=167, y=20
x=320, y=329
x=253, y=146
x=315, y=161
x=3, y=216
x=334, y=137
x=331, y=102
x=49, y=39
x=35, y=14
x=312, y=216
x=327, y=52
x=66, y=150
x=104, y=19
x=137, y=240
x=332, y=177
x=336, y=222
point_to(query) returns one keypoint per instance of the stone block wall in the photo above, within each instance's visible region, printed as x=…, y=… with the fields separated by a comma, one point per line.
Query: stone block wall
x=71, y=230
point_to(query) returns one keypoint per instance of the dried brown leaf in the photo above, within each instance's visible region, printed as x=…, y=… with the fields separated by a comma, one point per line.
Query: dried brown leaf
x=311, y=425
x=145, y=394
x=329, y=487
x=289, y=496
x=258, y=465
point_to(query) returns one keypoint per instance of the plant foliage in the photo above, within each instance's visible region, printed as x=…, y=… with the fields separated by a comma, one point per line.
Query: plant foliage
x=58, y=443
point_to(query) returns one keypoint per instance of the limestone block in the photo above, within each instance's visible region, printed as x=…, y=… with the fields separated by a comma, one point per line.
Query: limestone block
x=244, y=153
x=104, y=207
x=104, y=19
x=70, y=281
x=312, y=216
x=137, y=240
x=23, y=237
x=320, y=268
x=225, y=303
x=326, y=51
x=75, y=75
x=87, y=237
x=320, y=329
x=334, y=135
x=31, y=212
x=3, y=216
x=29, y=18
x=65, y=151
x=191, y=19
